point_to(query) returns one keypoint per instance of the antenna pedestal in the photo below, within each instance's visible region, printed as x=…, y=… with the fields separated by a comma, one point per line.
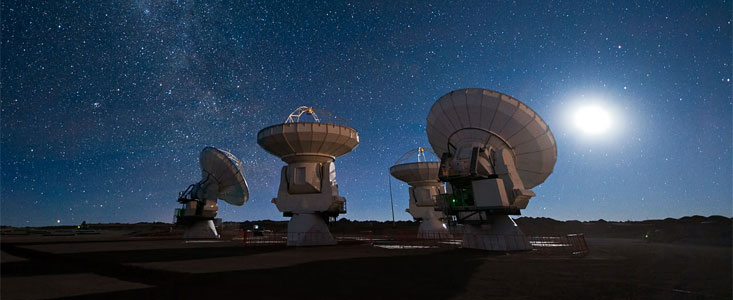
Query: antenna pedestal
x=433, y=228
x=498, y=233
x=309, y=230
x=201, y=229
x=422, y=207
x=308, y=192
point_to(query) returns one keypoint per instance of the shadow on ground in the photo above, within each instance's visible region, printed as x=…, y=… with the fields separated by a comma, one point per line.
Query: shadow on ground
x=427, y=274
x=44, y=263
x=615, y=269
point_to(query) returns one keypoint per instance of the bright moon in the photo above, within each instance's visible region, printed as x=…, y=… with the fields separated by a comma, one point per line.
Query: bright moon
x=592, y=119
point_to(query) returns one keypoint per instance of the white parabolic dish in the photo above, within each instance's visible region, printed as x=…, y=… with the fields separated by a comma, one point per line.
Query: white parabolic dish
x=478, y=116
x=226, y=170
x=307, y=138
x=424, y=171
x=421, y=170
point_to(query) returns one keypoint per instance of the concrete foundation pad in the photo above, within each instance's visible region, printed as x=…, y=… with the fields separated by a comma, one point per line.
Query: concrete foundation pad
x=309, y=230
x=433, y=229
x=201, y=230
x=499, y=233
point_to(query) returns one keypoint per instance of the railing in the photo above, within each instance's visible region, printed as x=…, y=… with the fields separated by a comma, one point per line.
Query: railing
x=574, y=244
x=496, y=242
x=257, y=238
x=253, y=238
x=414, y=240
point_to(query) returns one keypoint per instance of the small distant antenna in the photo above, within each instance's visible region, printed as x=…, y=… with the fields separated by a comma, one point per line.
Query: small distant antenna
x=222, y=178
x=422, y=176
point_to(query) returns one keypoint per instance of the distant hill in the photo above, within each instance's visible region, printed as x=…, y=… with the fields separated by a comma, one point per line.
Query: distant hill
x=714, y=230
x=699, y=230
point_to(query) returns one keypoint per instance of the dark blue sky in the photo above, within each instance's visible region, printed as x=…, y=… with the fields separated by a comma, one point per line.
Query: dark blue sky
x=106, y=104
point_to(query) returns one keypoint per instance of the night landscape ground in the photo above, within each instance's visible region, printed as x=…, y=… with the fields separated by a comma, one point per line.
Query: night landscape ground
x=686, y=258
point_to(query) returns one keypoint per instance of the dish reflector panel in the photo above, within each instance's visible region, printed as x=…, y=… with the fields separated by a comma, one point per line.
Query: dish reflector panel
x=467, y=117
x=304, y=138
x=416, y=171
x=226, y=170
x=417, y=165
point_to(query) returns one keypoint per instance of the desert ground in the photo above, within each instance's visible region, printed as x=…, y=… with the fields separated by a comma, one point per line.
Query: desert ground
x=152, y=261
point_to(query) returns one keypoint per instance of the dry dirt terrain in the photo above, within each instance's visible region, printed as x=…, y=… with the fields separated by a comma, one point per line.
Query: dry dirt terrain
x=116, y=265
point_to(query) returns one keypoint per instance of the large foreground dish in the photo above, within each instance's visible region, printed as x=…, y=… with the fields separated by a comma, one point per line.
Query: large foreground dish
x=486, y=117
x=493, y=150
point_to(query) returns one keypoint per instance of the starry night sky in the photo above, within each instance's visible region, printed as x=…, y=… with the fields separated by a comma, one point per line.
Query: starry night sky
x=106, y=104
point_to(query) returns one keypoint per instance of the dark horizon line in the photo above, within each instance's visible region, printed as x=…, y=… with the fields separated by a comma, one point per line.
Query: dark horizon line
x=387, y=221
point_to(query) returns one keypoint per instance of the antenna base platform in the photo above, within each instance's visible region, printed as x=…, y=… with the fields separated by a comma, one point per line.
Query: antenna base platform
x=432, y=229
x=499, y=233
x=201, y=229
x=309, y=230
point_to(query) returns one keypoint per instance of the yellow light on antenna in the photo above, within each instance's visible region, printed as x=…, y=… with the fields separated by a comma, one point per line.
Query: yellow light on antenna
x=421, y=149
x=310, y=110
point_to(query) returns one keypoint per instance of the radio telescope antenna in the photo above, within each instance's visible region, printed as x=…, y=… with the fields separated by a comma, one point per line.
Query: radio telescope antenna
x=308, y=190
x=425, y=186
x=493, y=149
x=222, y=178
